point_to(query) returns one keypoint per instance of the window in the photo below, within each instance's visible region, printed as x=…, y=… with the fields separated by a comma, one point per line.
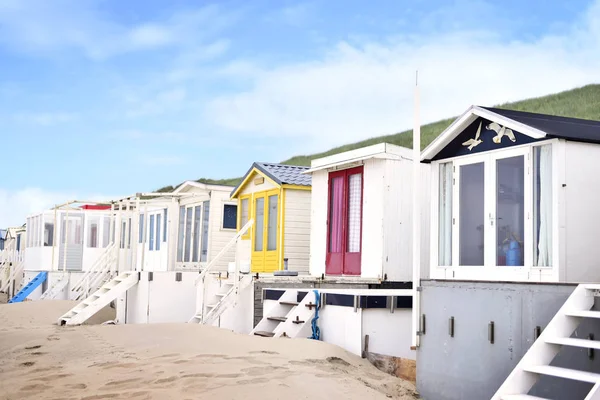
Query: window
x=230, y=216
x=188, y=233
x=165, y=225
x=93, y=234
x=141, y=230
x=180, y=234
x=542, y=206
x=510, y=211
x=472, y=214
x=445, y=215
x=49, y=234
x=19, y=242
x=272, y=224
x=244, y=215
x=123, y=233
x=129, y=233
x=195, y=250
x=151, y=227
x=158, y=225
x=204, y=252
x=260, y=221
x=105, y=231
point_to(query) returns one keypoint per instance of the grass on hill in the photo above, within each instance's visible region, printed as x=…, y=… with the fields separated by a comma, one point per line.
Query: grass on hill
x=582, y=103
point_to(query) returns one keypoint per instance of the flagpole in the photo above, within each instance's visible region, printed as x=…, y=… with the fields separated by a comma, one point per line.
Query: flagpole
x=416, y=218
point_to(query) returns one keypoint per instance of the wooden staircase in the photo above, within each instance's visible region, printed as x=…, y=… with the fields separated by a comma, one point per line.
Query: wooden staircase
x=96, y=276
x=290, y=317
x=108, y=292
x=56, y=288
x=536, y=362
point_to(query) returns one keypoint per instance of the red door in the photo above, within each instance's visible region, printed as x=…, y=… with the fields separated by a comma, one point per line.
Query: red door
x=344, y=222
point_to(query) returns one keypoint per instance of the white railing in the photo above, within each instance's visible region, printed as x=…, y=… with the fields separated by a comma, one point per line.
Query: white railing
x=11, y=256
x=213, y=262
x=12, y=271
x=96, y=275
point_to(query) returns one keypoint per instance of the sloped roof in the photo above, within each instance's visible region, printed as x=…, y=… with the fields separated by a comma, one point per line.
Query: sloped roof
x=281, y=174
x=583, y=130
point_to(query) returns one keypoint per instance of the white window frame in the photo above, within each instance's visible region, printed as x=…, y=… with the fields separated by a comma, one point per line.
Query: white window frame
x=489, y=271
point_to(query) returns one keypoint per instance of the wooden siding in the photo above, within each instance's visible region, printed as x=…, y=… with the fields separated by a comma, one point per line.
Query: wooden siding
x=318, y=222
x=297, y=228
x=219, y=237
x=251, y=187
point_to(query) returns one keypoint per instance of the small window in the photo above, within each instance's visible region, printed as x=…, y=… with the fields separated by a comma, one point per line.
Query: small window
x=129, y=233
x=123, y=233
x=105, y=232
x=49, y=234
x=205, y=216
x=93, y=235
x=230, y=216
x=141, y=233
x=19, y=242
x=157, y=244
x=165, y=225
x=180, y=234
x=151, y=242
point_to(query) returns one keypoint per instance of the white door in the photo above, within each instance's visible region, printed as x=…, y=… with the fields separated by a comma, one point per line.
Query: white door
x=490, y=217
x=156, y=247
x=70, y=256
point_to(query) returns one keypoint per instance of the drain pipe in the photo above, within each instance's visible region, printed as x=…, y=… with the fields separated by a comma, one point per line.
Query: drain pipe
x=416, y=221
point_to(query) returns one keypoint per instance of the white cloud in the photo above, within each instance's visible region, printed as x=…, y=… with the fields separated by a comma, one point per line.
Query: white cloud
x=16, y=205
x=44, y=27
x=46, y=118
x=357, y=91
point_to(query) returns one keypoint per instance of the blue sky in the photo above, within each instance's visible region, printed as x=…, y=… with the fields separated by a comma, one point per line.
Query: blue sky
x=100, y=99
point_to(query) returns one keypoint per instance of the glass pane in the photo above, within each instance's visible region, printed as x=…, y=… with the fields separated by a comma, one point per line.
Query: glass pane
x=123, y=231
x=244, y=216
x=165, y=225
x=188, y=234
x=542, y=204
x=471, y=201
x=151, y=229
x=259, y=211
x=49, y=234
x=197, y=215
x=204, y=247
x=354, y=212
x=229, y=216
x=445, y=216
x=336, y=201
x=510, y=210
x=158, y=225
x=129, y=233
x=180, y=234
x=93, y=235
x=141, y=233
x=106, y=232
x=272, y=227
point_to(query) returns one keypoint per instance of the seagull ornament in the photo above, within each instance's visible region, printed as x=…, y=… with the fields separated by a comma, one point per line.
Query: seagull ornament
x=474, y=142
x=501, y=132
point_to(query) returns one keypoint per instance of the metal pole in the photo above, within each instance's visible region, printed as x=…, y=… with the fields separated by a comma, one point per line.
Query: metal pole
x=54, y=239
x=416, y=217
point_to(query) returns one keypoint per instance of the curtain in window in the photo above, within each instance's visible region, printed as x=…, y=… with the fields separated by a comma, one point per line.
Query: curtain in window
x=445, y=215
x=544, y=245
x=335, y=219
x=354, y=211
x=180, y=234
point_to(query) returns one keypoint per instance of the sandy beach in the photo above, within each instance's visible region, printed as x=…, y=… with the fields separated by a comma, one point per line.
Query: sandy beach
x=172, y=361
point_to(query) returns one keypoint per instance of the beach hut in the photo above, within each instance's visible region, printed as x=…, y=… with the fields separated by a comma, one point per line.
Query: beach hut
x=277, y=197
x=514, y=222
x=361, y=214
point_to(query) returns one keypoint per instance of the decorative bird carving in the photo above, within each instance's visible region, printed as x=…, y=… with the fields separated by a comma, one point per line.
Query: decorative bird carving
x=474, y=142
x=501, y=132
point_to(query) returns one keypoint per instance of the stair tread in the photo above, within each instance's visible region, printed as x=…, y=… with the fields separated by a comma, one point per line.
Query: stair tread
x=280, y=319
x=583, y=313
x=289, y=303
x=566, y=373
x=574, y=342
x=264, y=333
x=591, y=286
x=522, y=397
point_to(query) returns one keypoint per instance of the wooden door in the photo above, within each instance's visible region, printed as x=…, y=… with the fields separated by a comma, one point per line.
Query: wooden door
x=344, y=222
x=265, y=235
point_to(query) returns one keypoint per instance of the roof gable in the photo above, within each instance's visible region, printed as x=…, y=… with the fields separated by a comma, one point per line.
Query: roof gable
x=527, y=127
x=480, y=136
x=279, y=174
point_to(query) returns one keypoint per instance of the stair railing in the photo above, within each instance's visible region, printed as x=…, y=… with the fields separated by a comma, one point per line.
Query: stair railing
x=212, y=263
x=95, y=274
x=15, y=269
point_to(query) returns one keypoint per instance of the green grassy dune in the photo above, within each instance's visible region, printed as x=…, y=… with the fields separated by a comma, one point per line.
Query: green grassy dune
x=582, y=102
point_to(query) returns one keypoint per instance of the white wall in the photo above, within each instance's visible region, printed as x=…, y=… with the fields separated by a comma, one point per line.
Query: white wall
x=318, y=222
x=161, y=300
x=372, y=222
x=389, y=333
x=219, y=237
x=342, y=327
x=582, y=194
x=297, y=229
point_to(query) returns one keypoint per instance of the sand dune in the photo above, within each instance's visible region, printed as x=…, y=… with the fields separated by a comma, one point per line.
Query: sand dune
x=172, y=361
